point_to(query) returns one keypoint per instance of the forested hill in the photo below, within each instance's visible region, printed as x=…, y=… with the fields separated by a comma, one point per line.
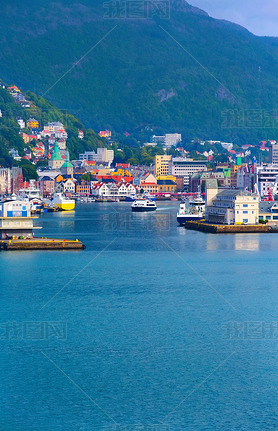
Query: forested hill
x=44, y=112
x=184, y=71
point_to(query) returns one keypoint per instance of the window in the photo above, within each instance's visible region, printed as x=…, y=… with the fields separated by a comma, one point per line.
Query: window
x=245, y=220
x=245, y=206
x=245, y=212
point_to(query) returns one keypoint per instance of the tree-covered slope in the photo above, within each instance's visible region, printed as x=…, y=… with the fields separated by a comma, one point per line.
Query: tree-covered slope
x=44, y=111
x=189, y=73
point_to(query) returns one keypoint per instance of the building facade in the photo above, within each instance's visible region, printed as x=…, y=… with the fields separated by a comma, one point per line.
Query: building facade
x=181, y=167
x=230, y=206
x=162, y=165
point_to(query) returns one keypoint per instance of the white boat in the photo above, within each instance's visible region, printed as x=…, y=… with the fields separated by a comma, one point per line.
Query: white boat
x=62, y=202
x=32, y=192
x=192, y=211
x=141, y=205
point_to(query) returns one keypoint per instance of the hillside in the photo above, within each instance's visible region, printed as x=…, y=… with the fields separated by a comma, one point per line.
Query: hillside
x=44, y=112
x=190, y=73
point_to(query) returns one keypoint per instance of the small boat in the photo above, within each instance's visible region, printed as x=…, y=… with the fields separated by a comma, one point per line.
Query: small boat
x=142, y=205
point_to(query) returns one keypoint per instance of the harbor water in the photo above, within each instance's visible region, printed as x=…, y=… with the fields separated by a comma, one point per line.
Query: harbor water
x=152, y=327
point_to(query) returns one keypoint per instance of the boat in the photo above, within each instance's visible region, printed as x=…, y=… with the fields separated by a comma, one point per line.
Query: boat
x=62, y=202
x=131, y=198
x=32, y=192
x=192, y=210
x=142, y=205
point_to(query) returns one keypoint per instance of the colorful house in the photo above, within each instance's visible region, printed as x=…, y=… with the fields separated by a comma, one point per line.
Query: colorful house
x=32, y=123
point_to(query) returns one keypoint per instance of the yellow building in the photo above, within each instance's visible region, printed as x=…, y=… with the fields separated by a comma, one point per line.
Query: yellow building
x=162, y=165
x=32, y=123
x=167, y=177
x=166, y=186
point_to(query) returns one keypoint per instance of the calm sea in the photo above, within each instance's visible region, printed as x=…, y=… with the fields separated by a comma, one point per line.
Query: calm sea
x=151, y=328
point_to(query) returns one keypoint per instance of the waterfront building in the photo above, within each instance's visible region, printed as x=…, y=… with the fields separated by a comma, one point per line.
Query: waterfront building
x=183, y=167
x=47, y=186
x=15, y=219
x=230, y=206
x=268, y=211
x=83, y=188
x=166, y=186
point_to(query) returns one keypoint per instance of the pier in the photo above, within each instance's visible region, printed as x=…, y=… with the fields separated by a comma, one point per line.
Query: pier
x=225, y=228
x=41, y=244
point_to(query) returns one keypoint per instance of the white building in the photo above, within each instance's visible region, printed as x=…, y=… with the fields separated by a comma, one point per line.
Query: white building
x=15, y=219
x=274, y=153
x=230, y=206
x=182, y=167
x=21, y=123
x=172, y=139
x=168, y=140
x=5, y=181
x=265, y=178
x=103, y=155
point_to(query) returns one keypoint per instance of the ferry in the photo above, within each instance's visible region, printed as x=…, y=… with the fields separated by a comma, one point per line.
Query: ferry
x=62, y=202
x=143, y=205
x=193, y=211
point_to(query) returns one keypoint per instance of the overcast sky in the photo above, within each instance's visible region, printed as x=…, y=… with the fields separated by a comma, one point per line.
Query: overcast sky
x=258, y=16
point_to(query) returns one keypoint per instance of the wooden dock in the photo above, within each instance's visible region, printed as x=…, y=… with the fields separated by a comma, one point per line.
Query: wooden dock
x=41, y=244
x=224, y=228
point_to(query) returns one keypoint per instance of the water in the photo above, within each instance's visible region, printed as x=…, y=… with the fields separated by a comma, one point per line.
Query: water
x=152, y=327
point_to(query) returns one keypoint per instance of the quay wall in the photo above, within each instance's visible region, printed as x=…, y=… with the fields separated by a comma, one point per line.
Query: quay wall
x=222, y=228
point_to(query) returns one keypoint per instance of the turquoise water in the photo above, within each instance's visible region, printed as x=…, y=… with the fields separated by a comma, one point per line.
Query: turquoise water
x=152, y=327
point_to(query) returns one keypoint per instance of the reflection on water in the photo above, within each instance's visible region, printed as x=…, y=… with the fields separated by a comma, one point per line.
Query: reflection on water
x=239, y=242
x=248, y=242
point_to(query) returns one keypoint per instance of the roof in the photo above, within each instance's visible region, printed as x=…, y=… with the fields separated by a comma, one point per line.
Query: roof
x=46, y=178
x=234, y=192
x=211, y=183
x=166, y=183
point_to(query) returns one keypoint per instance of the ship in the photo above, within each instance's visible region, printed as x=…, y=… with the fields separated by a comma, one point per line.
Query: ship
x=62, y=202
x=192, y=211
x=143, y=205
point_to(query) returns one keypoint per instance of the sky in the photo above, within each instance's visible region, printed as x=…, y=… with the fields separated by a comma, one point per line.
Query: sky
x=258, y=16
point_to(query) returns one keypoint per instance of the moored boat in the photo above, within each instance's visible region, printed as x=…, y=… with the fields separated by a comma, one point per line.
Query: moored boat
x=193, y=211
x=62, y=202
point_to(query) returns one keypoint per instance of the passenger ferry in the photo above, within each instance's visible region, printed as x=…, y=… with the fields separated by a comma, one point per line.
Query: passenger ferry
x=194, y=210
x=142, y=205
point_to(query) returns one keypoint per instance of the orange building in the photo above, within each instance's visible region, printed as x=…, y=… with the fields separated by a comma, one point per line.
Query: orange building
x=84, y=188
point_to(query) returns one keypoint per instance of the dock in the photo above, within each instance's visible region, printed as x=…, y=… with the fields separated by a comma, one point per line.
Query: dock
x=41, y=244
x=225, y=228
